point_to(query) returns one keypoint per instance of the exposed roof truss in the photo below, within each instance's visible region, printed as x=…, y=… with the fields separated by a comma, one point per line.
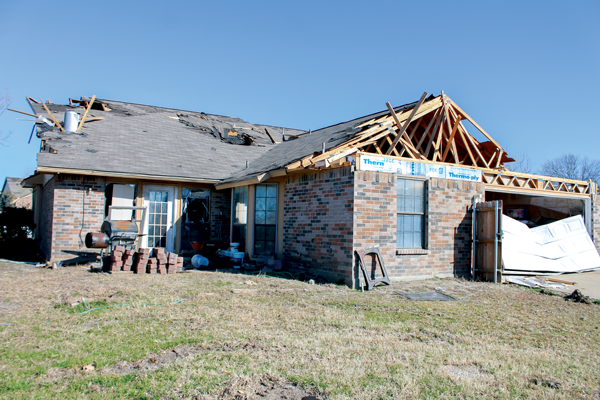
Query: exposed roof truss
x=432, y=130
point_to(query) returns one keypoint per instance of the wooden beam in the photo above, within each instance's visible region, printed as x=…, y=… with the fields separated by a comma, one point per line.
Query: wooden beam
x=438, y=142
x=377, y=149
x=448, y=142
x=22, y=112
x=31, y=99
x=475, y=124
x=393, y=148
x=408, y=121
x=271, y=137
x=471, y=141
x=426, y=131
x=493, y=156
x=451, y=140
x=462, y=136
x=499, y=158
x=52, y=117
x=433, y=132
x=87, y=110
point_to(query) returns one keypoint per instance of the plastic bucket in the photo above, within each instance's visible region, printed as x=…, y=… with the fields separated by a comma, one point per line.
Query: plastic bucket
x=237, y=257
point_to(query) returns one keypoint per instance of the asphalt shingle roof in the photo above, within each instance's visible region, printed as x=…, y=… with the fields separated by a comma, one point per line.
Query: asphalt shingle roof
x=286, y=153
x=139, y=139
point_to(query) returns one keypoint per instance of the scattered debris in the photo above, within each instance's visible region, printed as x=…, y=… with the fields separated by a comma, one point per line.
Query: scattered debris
x=427, y=296
x=250, y=283
x=88, y=368
x=578, y=297
x=551, y=383
x=535, y=282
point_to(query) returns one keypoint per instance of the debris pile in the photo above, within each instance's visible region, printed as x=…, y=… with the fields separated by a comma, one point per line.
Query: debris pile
x=143, y=261
x=578, y=297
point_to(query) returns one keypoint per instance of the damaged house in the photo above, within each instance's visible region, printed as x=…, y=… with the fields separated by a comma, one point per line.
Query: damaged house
x=407, y=180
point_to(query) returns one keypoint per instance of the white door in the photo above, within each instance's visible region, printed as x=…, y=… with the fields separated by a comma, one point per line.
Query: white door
x=159, y=230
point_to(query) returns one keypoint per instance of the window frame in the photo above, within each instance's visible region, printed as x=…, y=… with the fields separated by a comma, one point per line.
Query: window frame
x=423, y=214
x=255, y=224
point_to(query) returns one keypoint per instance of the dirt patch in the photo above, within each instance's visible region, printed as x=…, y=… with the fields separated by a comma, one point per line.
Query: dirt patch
x=264, y=387
x=152, y=362
x=466, y=372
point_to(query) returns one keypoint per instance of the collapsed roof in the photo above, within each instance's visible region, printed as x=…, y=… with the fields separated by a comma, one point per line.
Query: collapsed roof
x=127, y=138
x=429, y=130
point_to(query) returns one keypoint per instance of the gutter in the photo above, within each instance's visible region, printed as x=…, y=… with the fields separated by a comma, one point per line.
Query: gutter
x=55, y=170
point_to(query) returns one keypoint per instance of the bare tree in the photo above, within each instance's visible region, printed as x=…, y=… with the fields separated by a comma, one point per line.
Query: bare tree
x=4, y=103
x=522, y=163
x=570, y=166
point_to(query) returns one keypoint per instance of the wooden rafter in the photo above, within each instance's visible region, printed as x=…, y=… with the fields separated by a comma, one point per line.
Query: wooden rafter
x=408, y=121
x=451, y=139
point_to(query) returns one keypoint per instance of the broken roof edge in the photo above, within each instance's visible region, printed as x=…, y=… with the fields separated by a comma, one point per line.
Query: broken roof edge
x=252, y=179
x=170, y=178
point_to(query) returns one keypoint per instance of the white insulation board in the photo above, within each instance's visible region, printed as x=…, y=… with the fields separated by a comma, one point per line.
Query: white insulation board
x=562, y=246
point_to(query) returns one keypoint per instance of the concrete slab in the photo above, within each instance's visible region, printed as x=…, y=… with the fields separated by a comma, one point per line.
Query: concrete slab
x=587, y=282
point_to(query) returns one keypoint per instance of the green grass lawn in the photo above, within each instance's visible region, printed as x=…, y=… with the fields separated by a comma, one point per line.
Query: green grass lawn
x=226, y=338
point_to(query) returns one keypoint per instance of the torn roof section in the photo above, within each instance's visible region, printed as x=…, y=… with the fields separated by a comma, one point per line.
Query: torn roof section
x=429, y=130
x=134, y=139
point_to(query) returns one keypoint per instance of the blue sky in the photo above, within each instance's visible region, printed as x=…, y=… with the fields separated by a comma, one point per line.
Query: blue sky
x=526, y=71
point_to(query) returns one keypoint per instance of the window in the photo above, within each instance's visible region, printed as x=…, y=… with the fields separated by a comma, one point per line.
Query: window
x=411, y=214
x=265, y=219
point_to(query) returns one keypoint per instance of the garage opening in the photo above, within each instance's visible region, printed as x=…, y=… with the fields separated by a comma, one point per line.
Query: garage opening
x=530, y=234
x=536, y=211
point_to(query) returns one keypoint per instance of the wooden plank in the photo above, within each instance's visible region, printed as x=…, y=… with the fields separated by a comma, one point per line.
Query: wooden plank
x=393, y=149
x=499, y=158
x=31, y=99
x=438, y=142
x=271, y=137
x=433, y=133
x=342, y=154
x=462, y=136
x=475, y=124
x=22, y=112
x=52, y=117
x=377, y=148
x=451, y=139
x=470, y=139
x=448, y=120
x=87, y=110
x=426, y=131
x=408, y=121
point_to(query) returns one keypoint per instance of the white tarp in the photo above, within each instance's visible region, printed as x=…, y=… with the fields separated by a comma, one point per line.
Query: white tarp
x=559, y=247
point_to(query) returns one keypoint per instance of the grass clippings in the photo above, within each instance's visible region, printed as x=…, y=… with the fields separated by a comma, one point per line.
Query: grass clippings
x=286, y=338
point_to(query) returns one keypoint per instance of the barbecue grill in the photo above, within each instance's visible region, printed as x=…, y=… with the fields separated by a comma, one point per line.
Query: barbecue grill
x=117, y=233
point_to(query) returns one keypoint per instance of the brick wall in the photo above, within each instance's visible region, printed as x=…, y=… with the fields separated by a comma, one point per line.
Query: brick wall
x=448, y=225
x=317, y=225
x=76, y=211
x=220, y=214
